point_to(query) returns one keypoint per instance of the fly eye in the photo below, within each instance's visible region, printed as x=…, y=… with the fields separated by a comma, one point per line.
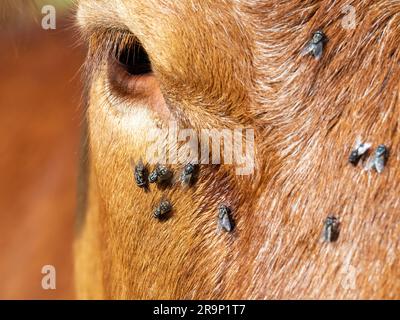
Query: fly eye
x=134, y=59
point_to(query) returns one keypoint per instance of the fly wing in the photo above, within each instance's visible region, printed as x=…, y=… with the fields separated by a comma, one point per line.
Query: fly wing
x=186, y=179
x=307, y=49
x=225, y=223
x=379, y=164
x=317, y=50
x=370, y=165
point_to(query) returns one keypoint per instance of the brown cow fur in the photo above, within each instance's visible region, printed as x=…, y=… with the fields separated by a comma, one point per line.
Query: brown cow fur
x=227, y=63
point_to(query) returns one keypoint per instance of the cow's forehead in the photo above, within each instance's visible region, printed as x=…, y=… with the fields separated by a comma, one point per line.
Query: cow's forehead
x=160, y=24
x=187, y=41
x=147, y=17
x=251, y=48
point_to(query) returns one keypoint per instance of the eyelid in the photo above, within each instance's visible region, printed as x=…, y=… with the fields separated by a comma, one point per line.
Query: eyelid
x=106, y=17
x=135, y=91
x=125, y=84
x=105, y=42
x=123, y=90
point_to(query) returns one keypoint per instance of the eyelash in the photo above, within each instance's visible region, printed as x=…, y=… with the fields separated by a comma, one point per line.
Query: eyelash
x=104, y=42
x=124, y=59
x=120, y=45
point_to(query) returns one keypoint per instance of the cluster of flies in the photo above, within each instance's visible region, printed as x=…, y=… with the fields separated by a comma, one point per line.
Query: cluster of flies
x=378, y=160
x=377, y=163
x=162, y=176
x=315, y=48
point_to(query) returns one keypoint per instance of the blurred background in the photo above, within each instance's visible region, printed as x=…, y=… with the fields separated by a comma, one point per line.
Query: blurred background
x=40, y=116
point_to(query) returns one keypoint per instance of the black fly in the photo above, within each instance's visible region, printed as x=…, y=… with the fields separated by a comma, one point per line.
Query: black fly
x=153, y=176
x=316, y=45
x=224, y=219
x=189, y=174
x=160, y=174
x=380, y=157
x=162, y=209
x=140, y=174
x=358, y=152
x=331, y=229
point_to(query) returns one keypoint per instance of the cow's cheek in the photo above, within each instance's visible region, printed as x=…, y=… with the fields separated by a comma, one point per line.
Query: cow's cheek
x=119, y=139
x=131, y=239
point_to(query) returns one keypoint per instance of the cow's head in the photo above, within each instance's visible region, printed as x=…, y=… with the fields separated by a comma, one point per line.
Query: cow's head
x=225, y=65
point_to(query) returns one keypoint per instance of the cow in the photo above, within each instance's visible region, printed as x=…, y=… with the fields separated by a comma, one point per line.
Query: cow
x=316, y=81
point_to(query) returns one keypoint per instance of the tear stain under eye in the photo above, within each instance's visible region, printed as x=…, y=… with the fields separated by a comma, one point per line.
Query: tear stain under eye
x=315, y=46
x=331, y=229
x=224, y=218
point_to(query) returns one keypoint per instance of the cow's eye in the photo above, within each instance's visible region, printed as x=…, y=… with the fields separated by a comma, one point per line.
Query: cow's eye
x=129, y=71
x=131, y=82
x=134, y=59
